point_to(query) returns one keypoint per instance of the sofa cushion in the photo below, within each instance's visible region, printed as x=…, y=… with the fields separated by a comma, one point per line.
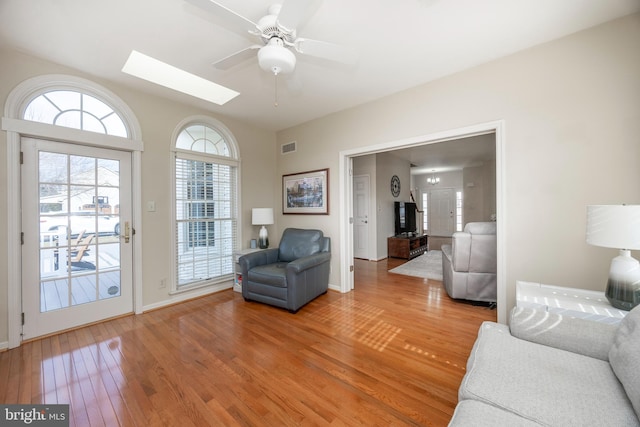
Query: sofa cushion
x=297, y=243
x=544, y=384
x=624, y=356
x=479, y=414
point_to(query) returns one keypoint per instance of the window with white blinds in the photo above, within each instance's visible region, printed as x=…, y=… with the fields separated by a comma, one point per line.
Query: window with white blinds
x=206, y=214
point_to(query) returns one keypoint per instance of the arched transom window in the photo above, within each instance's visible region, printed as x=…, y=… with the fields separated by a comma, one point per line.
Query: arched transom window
x=76, y=110
x=203, y=139
x=206, y=204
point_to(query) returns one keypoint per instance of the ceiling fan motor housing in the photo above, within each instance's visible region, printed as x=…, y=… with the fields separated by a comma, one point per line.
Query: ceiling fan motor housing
x=269, y=28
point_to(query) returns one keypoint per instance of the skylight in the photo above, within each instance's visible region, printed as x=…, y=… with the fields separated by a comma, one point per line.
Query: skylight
x=150, y=69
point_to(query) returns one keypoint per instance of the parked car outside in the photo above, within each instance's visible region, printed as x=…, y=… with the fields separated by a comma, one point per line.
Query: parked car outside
x=81, y=221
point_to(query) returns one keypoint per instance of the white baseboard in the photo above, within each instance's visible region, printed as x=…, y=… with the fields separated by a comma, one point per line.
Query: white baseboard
x=335, y=288
x=185, y=296
x=4, y=345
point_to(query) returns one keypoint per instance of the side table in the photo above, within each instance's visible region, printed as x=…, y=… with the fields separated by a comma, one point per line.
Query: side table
x=237, y=271
x=581, y=303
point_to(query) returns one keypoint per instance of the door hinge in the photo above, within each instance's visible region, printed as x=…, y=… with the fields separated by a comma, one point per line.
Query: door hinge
x=351, y=268
x=21, y=158
x=22, y=237
x=22, y=319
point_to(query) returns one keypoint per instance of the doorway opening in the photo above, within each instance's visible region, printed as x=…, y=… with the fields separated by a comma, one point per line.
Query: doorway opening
x=347, y=209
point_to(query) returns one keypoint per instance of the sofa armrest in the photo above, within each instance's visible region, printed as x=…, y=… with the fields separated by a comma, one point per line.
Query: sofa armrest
x=308, y=262
x=581, y=336
x=460, y=251
x=446, y=251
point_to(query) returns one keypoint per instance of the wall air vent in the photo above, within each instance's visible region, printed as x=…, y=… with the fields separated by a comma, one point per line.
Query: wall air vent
x=289, y=147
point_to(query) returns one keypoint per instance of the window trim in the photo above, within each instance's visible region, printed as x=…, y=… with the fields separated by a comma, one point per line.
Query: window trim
x=234, y=161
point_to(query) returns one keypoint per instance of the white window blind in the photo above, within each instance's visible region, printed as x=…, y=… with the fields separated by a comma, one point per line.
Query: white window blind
x=206, y=220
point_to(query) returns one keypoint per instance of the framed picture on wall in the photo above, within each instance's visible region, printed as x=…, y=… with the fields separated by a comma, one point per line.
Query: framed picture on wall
x=306, y=192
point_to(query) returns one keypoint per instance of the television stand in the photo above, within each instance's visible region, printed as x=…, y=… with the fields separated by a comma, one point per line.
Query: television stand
x=406, y=246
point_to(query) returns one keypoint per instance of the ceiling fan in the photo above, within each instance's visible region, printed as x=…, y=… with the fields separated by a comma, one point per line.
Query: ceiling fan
x=277, y=35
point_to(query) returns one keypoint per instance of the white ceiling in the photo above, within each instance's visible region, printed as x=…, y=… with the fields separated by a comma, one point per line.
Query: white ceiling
x=401, y=44
x=450, y=155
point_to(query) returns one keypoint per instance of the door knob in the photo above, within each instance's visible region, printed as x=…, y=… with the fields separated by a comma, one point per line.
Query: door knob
x=127, y=232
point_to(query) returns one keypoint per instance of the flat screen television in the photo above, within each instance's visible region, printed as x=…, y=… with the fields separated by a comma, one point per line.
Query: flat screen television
x=405, y=216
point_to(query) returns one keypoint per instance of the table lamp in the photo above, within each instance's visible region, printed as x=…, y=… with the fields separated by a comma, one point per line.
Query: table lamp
x=262, y=216
x=618, y=226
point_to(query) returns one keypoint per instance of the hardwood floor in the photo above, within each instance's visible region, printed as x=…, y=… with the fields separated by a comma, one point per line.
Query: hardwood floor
x=392, y=352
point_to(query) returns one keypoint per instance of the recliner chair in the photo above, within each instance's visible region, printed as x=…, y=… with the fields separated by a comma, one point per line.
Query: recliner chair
x=291, y=275
x=469, y=264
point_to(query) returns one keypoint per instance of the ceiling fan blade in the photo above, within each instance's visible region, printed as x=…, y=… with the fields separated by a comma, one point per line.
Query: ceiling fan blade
x=237, y=57
x=295, y=12
x=228, y=17
x=325, y=50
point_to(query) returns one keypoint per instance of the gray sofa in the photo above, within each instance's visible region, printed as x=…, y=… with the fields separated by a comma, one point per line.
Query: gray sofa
x=546, y=369
x=469, y=264
x=290, y=275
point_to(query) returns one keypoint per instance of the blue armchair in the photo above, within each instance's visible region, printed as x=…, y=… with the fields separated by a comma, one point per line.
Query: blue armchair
x=291, y=275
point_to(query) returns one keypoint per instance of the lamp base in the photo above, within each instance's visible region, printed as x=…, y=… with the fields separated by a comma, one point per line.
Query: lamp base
x=623, y=286
x=263, y=238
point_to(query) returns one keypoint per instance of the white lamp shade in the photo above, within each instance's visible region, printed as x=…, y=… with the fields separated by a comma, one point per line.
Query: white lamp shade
x=614, y=226
x=262, y=216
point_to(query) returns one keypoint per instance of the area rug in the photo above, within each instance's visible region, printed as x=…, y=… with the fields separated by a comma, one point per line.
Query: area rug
x=428, y=266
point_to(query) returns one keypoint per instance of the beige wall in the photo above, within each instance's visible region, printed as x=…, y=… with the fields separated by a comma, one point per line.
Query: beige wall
x=479, y=192
x=571, y=110
x=158, y=119
x=572, y=114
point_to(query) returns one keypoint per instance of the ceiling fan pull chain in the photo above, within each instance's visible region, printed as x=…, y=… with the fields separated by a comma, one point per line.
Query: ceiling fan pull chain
x=275, y=104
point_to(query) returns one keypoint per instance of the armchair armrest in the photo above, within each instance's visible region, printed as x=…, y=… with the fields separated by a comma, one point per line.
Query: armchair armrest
x=267, y=256
x=586, y=337
x=308, y=262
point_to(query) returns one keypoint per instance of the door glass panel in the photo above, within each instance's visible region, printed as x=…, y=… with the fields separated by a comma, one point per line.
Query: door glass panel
x=109, y=285
x=83, y=170
x=79, y=227
x=54, y=294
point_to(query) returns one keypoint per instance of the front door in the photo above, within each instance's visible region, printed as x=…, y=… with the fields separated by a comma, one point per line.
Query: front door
x=442, y=209
x=76, y=223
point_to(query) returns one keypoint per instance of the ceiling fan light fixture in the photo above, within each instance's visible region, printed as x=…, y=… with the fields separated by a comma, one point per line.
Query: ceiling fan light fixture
x=276, y=58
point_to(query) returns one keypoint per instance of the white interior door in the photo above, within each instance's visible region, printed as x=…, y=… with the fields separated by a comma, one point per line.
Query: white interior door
x=361, y=216
x=76, y=222
x=442, y=209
